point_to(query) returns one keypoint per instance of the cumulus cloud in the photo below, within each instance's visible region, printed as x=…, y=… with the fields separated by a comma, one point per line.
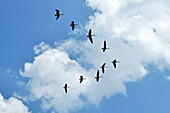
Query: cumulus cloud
x=12, y=105
x=136, y=32
x=48, y=74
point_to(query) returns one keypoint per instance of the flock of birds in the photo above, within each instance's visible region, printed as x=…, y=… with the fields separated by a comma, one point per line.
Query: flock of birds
x=114, y=62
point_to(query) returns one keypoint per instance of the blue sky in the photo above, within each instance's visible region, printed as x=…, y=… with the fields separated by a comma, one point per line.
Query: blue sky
x=142, y=88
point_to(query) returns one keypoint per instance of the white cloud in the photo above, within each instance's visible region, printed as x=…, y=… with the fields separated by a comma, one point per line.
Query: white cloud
x=12, y=105
x=127, y=26
x=49, y=72
x=41, y=48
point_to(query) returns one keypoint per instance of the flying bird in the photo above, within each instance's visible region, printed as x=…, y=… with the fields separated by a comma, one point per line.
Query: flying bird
x=103, y=66
x=90, y=36
x=104, y=47
x=65, y=87
x=114, y=62
x=81, y=79
x=73, y=25
x=58, y=14
x=97, y=76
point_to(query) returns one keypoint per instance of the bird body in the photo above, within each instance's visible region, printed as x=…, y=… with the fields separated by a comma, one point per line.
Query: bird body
x=114, y=62
x=65, y=87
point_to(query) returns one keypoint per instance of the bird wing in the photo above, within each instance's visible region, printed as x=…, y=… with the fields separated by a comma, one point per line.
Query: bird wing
x=73, y=27
x=81, y=80
x=57, y=17
x=57, y=11
x=98, y=73
x=103, y=69
x=90, y=38
x=104, y=44
x=72, y=23
x=97, y=79
x=104, y=49
x=114, y=65
x=89, y=32
x=66, y=89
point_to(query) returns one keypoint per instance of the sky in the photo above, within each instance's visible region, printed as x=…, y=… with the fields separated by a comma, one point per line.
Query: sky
x=39, y=54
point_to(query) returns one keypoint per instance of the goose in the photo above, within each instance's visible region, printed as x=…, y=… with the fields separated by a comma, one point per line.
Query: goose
x=114, y=62
x=103, y=66
x=90, y=36
x=81, y=79
x=58, y=14
x=97, y=76
x=65, y=87
x=73, y=25
x=104, y=47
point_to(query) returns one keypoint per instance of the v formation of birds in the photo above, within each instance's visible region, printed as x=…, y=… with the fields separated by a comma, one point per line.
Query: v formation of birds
x=114, y=62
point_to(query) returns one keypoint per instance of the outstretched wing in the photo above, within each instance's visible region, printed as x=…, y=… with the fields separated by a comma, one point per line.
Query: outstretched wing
x=104, y=49
x=81, y=80
x=98, y=73
x=90, y=38
x=66, y=90
x=73, y=27
x=57, y=11
x=72, y=23
x=65, y=87
x=114, y=64
x=57, y=17
x=104, y=44
x=97, y=79
x=90, y=32
x=103, y=69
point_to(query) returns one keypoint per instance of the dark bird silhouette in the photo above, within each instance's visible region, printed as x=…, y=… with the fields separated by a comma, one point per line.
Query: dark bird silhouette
x=104, y=47
x=81, y=79
x=73, y=25
x=58, y=14
x=103, y=66
x=114, y=62
x=65, y=87
x=97, y=76
x=90, y=36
